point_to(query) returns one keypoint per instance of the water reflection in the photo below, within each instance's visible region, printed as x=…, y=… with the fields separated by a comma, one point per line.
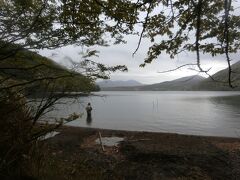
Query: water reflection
x=89, y=120
x=231, y=102
x=200, y=113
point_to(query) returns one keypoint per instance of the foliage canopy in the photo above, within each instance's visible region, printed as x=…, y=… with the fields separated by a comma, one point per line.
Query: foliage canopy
x=174, y=26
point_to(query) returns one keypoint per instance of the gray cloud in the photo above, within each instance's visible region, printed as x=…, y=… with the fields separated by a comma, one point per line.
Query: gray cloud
x=122, y=55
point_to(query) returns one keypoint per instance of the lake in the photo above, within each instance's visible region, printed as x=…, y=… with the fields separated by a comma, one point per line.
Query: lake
x=205, y=113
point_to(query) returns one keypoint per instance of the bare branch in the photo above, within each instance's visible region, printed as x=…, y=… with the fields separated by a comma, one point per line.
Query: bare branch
x=143, y=29
x=35, y=80
x=177, y=68
x=227, y=6
x=198, y=32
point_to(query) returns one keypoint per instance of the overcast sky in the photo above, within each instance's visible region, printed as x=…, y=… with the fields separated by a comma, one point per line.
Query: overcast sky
x=122, y=55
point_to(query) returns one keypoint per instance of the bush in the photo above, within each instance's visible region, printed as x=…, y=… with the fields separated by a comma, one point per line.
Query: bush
x=21, y=153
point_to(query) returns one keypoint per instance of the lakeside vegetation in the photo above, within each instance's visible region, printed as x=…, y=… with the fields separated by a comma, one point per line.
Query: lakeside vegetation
x=29, y=79
x=171, y=27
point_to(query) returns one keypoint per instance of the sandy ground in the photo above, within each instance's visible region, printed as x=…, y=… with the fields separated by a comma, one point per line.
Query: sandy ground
x=142, y=155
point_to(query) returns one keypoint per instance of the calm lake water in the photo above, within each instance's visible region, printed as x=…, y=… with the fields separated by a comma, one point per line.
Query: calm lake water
x=199, y=113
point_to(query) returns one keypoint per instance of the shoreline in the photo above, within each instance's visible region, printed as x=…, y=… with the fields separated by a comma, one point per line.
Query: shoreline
x=142, y=155
x=151, y=132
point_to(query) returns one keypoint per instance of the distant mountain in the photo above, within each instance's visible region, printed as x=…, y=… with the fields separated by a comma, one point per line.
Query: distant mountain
x=191, y=83
x=181, y=84
x=109, y=83
x=221, y=80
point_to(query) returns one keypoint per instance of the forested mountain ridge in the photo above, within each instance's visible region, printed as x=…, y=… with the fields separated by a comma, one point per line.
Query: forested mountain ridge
x=219, y=80
x=41, y=74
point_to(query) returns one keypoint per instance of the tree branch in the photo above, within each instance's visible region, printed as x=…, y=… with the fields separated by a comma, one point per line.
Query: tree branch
x=179, y=67
x=143, y=29
x=227, y=6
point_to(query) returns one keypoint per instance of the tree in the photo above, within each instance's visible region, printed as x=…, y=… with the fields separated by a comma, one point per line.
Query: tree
x=200, y=26
x=38, y=24
x=173, y=26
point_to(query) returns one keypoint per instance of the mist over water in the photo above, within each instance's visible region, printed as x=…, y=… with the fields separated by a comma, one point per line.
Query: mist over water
x=185, y=112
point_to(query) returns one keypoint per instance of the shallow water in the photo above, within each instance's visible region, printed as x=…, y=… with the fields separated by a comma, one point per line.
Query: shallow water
x=185, y=112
